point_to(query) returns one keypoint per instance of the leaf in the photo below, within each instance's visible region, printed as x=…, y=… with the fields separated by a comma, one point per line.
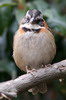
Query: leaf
x=40, y=5
x=19, y=14
x=4, y=3
x=55, y=20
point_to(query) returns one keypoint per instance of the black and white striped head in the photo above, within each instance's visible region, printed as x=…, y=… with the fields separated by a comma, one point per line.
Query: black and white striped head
x=33, y=17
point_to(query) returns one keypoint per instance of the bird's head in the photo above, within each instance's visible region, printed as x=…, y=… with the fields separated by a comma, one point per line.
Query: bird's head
x=32, y=18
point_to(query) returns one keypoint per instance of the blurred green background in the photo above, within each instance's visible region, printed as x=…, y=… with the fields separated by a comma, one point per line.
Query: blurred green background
x=11, y=13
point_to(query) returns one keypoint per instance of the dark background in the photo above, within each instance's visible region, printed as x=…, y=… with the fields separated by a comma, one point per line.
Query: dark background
x=11, y=13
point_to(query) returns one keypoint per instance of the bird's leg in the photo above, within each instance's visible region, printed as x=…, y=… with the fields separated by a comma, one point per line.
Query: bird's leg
x=29, y=70
x=42, y=66
x=45, y=66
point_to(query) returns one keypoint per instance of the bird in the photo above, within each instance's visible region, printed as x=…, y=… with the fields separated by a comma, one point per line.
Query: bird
x=33, y=45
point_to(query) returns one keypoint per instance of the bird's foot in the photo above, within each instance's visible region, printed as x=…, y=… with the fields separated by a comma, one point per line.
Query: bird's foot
x=28, y=69
x=31, y=71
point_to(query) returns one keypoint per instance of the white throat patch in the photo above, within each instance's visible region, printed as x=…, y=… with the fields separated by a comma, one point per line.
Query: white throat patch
x=30, y=26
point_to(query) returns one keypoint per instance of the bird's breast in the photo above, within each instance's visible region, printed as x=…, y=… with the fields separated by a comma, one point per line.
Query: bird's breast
x=33, y=49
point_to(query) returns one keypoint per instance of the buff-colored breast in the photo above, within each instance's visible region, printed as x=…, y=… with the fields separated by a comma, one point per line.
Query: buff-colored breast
x=33, y=49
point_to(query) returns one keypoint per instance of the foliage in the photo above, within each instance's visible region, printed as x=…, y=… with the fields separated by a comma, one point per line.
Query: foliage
x=11, y=13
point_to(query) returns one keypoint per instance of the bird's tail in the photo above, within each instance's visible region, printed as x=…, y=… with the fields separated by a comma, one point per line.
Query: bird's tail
x=41, y=88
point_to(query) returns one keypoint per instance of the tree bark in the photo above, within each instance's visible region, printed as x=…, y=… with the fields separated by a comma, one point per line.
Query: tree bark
x=50, y=72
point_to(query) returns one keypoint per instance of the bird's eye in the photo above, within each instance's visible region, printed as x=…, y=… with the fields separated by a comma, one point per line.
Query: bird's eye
x=39, y=20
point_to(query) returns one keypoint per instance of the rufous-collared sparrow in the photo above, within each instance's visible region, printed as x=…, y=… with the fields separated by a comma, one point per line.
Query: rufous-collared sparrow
x=34, y=45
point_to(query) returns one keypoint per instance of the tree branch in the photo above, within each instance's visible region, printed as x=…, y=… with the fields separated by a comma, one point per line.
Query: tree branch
x=27, y=81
